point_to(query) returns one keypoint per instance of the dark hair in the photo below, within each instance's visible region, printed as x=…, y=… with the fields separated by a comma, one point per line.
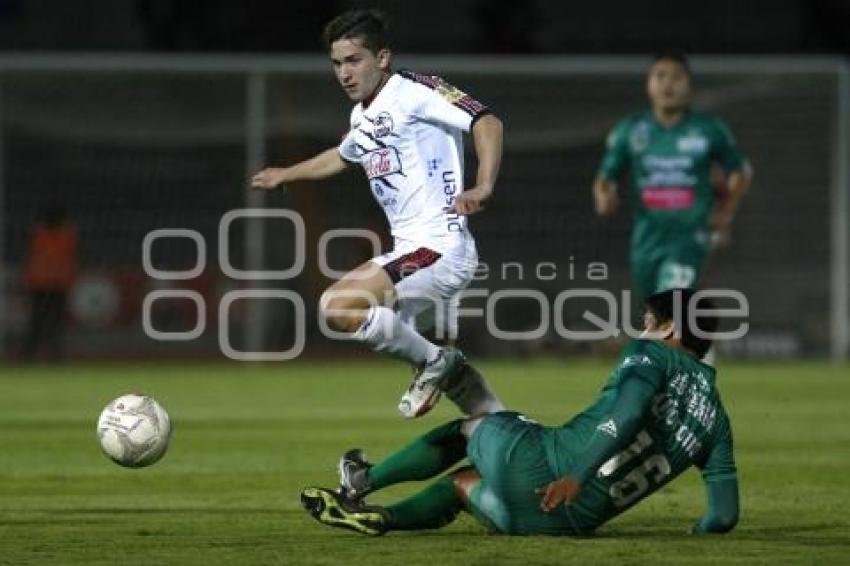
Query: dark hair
x=676, y=57
x=369, y=25
x=663, y=306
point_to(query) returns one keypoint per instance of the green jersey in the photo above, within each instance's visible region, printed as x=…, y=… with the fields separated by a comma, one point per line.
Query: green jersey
x=670, y=174
x=658, y=414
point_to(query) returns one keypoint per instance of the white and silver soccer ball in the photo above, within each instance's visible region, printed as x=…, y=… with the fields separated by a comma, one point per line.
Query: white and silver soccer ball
x=134, y=431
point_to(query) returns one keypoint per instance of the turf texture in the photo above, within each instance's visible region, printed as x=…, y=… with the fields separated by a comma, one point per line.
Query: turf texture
x=247, y=438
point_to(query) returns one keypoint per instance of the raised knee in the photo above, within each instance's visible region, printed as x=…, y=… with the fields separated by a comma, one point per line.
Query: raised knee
x=340, y=313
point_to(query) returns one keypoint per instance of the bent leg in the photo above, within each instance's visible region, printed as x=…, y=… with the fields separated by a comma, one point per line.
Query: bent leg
x=359, y=304
x=435, y=506
x=425, y=457
x=440, y=503
x=346, y=303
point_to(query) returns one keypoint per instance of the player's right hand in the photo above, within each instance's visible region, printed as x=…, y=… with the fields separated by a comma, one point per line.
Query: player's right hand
x=561, y=491
x=268, y=178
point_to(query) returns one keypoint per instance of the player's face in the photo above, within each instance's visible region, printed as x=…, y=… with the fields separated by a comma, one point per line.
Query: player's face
x=668, y=85
x=650, y=323
x=358, y=70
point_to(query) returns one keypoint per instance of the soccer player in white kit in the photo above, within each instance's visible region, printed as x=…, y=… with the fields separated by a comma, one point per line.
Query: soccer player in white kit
x=406, y=132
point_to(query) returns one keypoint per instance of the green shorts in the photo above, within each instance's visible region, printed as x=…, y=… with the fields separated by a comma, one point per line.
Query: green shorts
x=508, y=451
x=666, y=269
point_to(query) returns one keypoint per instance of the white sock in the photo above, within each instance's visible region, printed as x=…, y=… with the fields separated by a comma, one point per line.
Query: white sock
x=472, y=395
x=384, y=331
x=468, y=426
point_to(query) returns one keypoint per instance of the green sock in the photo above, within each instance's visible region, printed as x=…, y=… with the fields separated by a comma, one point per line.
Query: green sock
x=432, y=508
x=424, y=458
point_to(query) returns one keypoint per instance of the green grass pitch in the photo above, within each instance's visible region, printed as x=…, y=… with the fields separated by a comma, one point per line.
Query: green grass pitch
x=247, y=438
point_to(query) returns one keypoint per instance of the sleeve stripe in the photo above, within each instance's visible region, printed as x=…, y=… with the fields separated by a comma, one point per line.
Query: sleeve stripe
x=451, y=93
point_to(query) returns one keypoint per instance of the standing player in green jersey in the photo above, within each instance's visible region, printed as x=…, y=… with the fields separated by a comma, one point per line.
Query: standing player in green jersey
x=670, y=151
x=658, y=414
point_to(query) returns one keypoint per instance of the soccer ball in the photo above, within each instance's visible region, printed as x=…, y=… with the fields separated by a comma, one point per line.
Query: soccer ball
x=134, y=430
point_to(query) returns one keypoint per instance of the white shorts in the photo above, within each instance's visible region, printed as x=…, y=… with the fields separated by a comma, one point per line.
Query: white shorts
x=428, y=284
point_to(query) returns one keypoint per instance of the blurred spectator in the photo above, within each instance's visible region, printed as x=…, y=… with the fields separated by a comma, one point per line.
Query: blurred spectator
x=49, y=273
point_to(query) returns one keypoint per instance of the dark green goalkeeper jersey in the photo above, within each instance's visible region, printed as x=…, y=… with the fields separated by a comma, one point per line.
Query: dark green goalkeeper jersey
x=658, y=414
x=669, y=172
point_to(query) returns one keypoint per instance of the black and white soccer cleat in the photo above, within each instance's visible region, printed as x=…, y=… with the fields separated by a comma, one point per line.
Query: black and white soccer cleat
x=330, y=508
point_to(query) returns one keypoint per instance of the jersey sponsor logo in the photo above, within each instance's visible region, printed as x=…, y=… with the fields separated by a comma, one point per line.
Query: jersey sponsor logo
x=449, y=92
x=685, y=407
x=668, y=163
x=380, y=194
x=462, y=100
x=667, y=171
x=666, y=410
x=667, y=198
x=609, y=427
x=688, y=441
x=383, y=125
x=453, y=223
x=692, y=143
x=381, y=162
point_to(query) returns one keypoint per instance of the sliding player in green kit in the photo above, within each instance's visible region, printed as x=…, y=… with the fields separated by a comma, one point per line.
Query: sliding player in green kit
x=658, y=414
x=669, y=151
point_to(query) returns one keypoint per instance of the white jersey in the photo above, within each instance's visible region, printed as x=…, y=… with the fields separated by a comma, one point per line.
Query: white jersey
x=409, y=140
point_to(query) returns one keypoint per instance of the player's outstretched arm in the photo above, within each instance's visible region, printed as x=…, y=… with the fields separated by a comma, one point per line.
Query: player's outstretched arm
x=722, y=514
x=324, y=165
x=487, y=133
x=605, y=196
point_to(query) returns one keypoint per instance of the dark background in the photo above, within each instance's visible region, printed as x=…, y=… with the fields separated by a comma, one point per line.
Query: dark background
x=470, y=26
x=129, y=149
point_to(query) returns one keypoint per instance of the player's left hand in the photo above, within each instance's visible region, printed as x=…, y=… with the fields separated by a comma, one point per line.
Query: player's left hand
x=721, y=225
x=471, y=201
x=564, y=490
